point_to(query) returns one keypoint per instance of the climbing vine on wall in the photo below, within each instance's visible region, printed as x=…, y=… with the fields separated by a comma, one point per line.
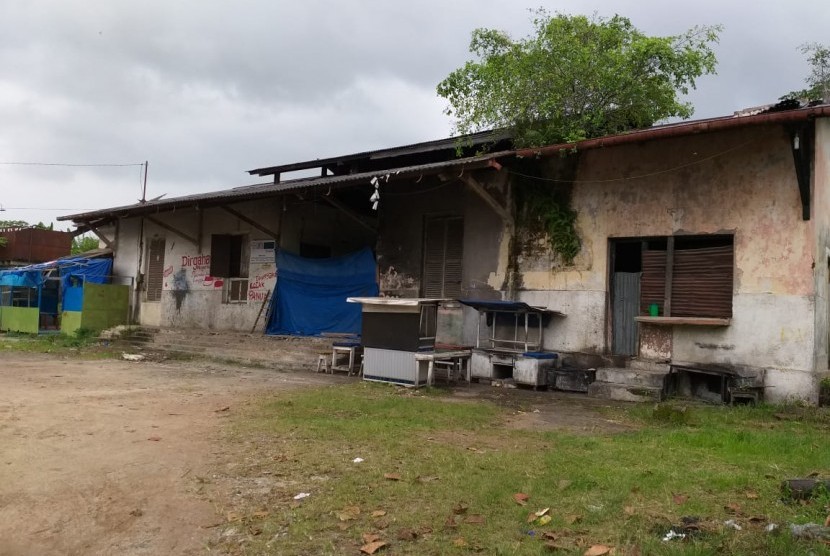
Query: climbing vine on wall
x=545, y=207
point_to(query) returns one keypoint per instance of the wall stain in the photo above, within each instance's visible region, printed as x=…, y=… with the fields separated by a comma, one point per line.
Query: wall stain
x=727, y=347
x=180, y=288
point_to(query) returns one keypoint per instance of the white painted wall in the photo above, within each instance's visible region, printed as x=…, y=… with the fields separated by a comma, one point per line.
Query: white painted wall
x=191, y=298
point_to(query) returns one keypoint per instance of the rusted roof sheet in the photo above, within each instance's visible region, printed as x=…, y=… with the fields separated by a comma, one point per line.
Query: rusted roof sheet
x=451, y=143
x=257, y=191
x=264, y=190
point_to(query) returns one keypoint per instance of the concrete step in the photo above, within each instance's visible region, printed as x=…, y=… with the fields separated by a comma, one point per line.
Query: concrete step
x=648, y=365
x=632, y=377
x=622, y=392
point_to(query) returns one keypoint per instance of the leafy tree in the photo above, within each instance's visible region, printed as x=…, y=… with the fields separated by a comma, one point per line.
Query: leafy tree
x=818, y=81
x=82, y=244
x=13, y=224
x=576, y=77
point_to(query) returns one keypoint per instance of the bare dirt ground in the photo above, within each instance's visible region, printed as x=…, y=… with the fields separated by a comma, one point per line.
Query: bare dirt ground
x=115, y=457
x=108, y=457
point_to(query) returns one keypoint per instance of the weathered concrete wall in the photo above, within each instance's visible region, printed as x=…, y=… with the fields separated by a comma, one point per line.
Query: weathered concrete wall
x=191, y=298
x=740, y=182
x=821, y=222
x=404, y=208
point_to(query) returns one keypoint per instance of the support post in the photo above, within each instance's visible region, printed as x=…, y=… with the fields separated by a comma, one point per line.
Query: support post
x=669, y=275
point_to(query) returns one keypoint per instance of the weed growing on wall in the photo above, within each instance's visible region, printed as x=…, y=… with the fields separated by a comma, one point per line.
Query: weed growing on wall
x=545, y=208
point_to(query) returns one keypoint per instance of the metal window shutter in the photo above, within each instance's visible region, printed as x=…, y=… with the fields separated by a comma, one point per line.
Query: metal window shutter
x=653, y=281
x=433, y=257
x=702, y=282
x=155, y=269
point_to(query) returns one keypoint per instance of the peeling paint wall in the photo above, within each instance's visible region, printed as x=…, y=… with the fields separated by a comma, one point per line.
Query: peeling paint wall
x=191, y=297
x=821, y=222
x=740, y=182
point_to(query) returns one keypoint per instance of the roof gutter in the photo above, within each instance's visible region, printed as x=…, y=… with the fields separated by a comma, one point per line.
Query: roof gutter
x=680, y=130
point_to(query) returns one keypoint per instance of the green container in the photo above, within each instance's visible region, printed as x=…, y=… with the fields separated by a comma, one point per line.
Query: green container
x=653, y=310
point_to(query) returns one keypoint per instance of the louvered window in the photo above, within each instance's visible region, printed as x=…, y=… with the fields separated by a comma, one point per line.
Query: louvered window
x=155, y=269
x=688, y=276
x=443, y=250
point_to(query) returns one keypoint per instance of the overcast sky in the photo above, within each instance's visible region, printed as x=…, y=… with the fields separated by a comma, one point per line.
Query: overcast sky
x=206, y=90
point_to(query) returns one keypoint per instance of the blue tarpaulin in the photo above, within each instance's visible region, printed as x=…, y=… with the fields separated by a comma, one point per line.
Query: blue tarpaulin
x=311, y=294
x=73, y=271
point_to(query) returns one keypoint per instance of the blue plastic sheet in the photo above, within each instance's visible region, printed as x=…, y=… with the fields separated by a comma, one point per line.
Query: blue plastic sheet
x=311, y=293
x=73, y=272
x=73, y=298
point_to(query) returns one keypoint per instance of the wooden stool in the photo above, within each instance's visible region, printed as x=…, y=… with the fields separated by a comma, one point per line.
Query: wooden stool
x=351, y=349
x=323, y=363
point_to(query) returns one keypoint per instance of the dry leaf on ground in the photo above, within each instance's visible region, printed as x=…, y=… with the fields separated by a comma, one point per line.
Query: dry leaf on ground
x=348, y=513
x=598, y=550
x=679, y=498
x=407, y=535
x=372, y=547
x=459, y=542
x=370, y=537
x=475, y=519
x=629, y=510
x=571, y=519
x=733, y=508
x=521, y=498
x=752, y=495
x=378, y=513
x=460, y=508
x=392, y=476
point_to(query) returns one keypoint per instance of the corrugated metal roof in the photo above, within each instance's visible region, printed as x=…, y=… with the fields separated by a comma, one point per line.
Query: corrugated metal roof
x=473, y=139
x=264, y=190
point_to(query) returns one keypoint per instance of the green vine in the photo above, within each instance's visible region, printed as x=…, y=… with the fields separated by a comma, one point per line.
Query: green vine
x=546, y=208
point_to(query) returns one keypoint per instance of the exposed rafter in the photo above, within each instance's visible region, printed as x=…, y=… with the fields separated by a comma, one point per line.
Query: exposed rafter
x=170, y=228
x=349, y=213
x=93, y=227
x=253, y=223
x=478, y=189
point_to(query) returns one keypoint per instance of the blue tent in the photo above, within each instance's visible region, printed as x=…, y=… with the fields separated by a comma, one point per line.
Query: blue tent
x=311, y=294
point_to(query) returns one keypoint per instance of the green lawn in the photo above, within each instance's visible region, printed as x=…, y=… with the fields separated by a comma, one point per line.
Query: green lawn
x=440, y=476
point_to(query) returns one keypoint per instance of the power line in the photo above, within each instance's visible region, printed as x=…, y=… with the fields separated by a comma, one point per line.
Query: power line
x=42, y=208
x=70, y=165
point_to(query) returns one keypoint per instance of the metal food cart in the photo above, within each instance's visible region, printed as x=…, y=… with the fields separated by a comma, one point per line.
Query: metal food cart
x=514, y=344
x=394, y=331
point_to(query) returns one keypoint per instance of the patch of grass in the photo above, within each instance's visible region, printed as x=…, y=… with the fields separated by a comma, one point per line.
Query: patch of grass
x=83, y=343
x=624, y=490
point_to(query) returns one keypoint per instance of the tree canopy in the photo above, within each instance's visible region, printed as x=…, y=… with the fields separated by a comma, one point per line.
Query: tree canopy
x=576, y=77
x=84, y=243
x=818, y=82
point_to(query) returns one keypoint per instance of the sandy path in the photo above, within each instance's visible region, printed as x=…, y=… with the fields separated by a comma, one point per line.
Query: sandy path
x=105, y=457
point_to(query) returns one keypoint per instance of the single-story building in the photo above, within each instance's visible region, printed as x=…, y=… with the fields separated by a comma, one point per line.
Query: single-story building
x=700, y=247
